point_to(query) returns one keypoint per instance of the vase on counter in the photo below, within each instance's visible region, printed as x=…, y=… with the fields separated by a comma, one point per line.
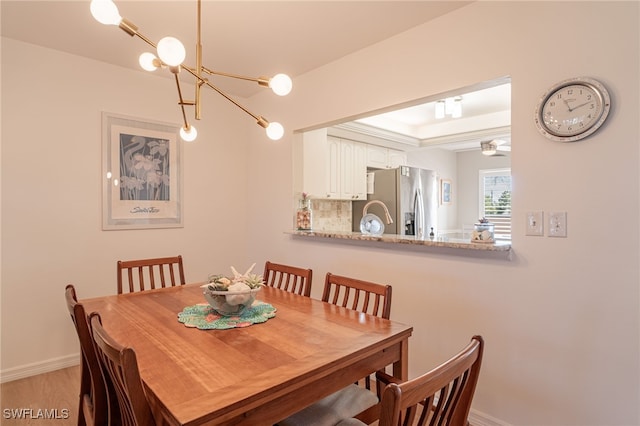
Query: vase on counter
x=483, y=232
x=304, y=215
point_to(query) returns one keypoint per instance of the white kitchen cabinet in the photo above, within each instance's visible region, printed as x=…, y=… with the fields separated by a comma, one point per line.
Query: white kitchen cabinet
x=353, y=175
x=334, y=168
x=379, y=157
x=397, y=158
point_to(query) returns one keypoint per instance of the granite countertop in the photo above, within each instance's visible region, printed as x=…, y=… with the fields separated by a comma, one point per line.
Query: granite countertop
x=451, y=243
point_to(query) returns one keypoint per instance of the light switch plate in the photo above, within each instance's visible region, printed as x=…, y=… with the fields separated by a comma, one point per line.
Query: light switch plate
x=557, y=224
x=535, y=224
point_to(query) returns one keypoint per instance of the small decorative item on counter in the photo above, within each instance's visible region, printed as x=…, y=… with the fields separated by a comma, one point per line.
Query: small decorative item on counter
x=483, y=232
x=432, y=235
x=231, y=296
x=304, y=215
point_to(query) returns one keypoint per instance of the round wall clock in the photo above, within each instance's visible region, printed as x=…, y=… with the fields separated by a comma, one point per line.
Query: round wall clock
x=572, y=109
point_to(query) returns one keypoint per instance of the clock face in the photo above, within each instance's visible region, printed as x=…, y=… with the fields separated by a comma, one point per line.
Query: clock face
x=572, y=110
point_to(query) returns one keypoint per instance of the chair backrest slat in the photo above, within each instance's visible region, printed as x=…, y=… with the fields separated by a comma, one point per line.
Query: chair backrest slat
x=140, y=272
x=288, y=278
x=364, y=296
x=453, y=383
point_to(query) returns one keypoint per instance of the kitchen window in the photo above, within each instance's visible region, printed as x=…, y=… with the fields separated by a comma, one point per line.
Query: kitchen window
x=495, y=200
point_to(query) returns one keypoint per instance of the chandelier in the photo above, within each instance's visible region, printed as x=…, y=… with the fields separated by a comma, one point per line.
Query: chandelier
x=171, y=54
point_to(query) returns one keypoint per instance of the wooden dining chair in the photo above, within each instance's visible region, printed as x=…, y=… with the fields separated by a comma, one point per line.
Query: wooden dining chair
x=93, y=408
x=440, y=397
x=363, y=296
x=120, y=364
x=354, y=400
x=289, y=278
x=154, y=273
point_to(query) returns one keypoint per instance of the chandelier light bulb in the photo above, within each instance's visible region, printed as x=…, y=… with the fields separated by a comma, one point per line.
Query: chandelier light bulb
x=275, y=131
x=105, y=12
x=171, y=51
x=148, y=61
x=188, y=134
x=281, y=84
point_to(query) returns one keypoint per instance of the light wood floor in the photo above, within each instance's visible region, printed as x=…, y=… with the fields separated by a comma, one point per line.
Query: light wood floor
x=42, y=398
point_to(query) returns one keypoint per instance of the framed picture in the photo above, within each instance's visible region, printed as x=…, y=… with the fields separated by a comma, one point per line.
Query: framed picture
x=445, y=191
x=142, y=174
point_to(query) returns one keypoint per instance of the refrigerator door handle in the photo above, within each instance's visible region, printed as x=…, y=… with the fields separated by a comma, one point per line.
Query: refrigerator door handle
x=418, y=211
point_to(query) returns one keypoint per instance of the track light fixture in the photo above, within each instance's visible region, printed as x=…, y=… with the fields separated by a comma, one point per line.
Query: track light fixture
x=171, y=54
x=449, y=106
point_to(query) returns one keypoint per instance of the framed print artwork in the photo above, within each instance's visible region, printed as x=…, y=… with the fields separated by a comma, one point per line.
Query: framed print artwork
x=142, y=173
x=445, y=191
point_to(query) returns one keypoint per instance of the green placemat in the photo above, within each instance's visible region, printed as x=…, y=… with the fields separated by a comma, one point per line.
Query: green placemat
x=204, y=317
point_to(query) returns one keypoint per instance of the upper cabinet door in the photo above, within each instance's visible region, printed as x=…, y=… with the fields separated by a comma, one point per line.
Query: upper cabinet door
x=354, y=171
x=359, y=171
x=377, y=157
x=397, y=158
x=333, y=167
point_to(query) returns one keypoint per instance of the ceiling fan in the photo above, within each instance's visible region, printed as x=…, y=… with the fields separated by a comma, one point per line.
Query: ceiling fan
x=492, y=147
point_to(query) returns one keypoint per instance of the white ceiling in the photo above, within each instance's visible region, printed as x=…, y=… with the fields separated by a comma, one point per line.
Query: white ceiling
x=486, y=115
x=252, y=38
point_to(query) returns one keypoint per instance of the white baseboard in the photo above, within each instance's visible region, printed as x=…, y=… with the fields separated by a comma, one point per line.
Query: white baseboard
x=29, y=370
x=477, y=418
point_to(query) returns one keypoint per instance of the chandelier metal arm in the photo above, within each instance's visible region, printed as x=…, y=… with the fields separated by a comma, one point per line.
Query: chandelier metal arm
x=181, y=99
x=262, y=81
x=198, y=58
x=259, y=119
x=131, y=29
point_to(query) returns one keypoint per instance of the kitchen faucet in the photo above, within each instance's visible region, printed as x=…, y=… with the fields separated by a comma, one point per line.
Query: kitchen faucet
x=386, y=211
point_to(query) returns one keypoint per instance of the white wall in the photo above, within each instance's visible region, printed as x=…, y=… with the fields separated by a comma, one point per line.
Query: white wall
x=560, y=320
x=51, y=194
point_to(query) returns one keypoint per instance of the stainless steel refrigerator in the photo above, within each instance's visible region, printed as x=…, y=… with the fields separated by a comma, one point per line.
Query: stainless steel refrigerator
x=411, y=196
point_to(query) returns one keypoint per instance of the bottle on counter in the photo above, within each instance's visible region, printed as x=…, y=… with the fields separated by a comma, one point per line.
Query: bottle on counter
x=304, y=214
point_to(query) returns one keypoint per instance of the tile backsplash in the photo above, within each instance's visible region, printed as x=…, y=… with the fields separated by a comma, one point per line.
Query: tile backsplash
x=331, y=215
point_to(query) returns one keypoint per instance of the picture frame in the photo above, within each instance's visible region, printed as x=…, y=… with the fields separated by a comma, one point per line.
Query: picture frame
x=445, y=191
x=142, y=173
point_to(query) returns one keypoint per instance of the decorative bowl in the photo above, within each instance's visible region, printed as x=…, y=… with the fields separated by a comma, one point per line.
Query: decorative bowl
x=230, y=303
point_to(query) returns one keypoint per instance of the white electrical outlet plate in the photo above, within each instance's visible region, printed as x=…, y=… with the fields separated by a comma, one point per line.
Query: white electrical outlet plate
x=535, y=223
x=557, y=224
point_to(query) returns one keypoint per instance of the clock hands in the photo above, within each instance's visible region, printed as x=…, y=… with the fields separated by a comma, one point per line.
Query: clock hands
x=566, y=102
x=578, y=106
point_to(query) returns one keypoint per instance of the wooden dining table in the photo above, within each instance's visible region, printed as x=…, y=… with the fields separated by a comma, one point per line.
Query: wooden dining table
x=255, y=375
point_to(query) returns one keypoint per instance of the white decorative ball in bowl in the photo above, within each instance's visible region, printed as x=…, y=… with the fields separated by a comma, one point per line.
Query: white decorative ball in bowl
x=230, y=302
